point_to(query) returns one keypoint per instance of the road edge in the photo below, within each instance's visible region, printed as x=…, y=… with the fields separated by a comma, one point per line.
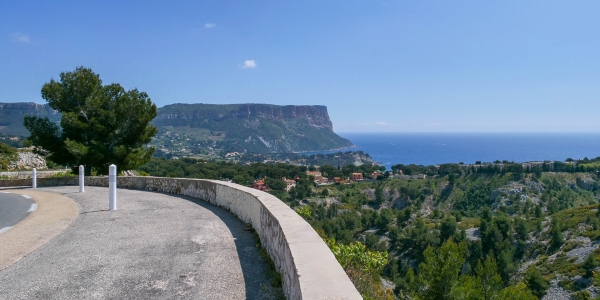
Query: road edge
x=53, y=215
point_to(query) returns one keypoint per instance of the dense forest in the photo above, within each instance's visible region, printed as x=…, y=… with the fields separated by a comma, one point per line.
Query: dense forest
x=468, y=235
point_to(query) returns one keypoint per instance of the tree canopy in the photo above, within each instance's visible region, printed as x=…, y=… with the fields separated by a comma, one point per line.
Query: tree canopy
x=100, y=124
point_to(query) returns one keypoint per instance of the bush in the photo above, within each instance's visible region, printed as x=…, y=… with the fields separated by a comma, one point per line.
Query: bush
x=7, y=154
x=589, y=265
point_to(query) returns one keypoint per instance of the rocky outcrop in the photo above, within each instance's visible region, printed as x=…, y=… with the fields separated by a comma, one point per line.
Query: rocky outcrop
x=28, y=161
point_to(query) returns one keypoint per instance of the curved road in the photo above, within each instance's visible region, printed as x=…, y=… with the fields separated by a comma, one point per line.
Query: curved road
x=13, y=208
x=155, y=246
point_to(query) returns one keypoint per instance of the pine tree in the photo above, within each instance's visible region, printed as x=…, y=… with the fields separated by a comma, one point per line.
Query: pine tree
x=488, y=279
x=100, y=124
x=439, y=272
x=536, y=282
x=589, y=265
x=557, y=236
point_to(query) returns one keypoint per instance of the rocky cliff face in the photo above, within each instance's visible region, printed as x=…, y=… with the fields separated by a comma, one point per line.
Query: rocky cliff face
x=315, y=115
x=257, y=128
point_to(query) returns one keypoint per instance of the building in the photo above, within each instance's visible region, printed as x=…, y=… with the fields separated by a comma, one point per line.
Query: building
x=357, y=176
x=289, y=184
x=314, y=173
x=319, y=179
x=260, y=185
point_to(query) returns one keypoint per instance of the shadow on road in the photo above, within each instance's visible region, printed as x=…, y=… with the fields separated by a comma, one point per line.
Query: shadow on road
x=254, y=267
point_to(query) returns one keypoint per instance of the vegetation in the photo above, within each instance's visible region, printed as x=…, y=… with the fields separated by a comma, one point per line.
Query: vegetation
x=363, y=267
x=272, y=274
x=100, y=124
x=247, y=174
x=467, y=236
x=7, y=154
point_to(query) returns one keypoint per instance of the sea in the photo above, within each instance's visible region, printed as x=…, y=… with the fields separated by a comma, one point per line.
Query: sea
x=436, y=148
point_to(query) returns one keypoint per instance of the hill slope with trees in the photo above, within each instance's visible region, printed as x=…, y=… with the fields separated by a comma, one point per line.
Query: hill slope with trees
x=470, y=235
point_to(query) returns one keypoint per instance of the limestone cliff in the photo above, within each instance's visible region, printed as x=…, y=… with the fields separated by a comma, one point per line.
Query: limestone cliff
x=258, y=128
x=189, y=114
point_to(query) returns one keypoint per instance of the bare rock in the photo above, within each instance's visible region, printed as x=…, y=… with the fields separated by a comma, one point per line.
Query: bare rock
x=473, y=234
x=28, y=161
x=556, y=292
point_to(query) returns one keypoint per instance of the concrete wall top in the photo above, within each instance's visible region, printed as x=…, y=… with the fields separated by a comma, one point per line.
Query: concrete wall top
x=320, y=275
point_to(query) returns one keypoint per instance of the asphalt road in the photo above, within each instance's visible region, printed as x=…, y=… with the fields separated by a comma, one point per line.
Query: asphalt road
x=155, y=246
x=13, y=208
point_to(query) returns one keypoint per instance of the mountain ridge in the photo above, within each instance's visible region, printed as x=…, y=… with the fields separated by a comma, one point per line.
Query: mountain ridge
x=256, y=128
x=249, y=127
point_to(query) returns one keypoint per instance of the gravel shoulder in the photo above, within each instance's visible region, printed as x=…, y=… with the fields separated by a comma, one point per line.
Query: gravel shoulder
x=155, y=246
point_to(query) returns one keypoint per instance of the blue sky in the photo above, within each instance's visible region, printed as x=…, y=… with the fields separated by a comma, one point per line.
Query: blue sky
x=379, y=66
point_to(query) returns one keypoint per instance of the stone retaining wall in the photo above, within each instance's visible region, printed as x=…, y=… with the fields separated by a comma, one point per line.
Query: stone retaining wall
x=308, y=268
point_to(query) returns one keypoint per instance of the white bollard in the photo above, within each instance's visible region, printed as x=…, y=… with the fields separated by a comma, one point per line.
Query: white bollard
x=34, y=178
x=81, y=179
x=112, y=187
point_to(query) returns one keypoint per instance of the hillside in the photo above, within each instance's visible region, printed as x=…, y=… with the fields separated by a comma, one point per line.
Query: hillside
x=255, y=128
x=11, y=116
x=535, y=231
x=188, y=129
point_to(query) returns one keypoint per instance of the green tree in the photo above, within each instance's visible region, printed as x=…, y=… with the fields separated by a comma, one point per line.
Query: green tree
x=447, y=228
x=438, y=273
x=100, y=124
x=487, y=285
x=239, y=179
x=275, y=184
x=304, y=211
x=589, y=265
x=521, y=229
x=418, y=238
x=506, y=265
x=582, y=295
x=517, y=292
x=362, y=266
x=557, y=236
x=379, y=195
x=536, y=282
x=488, y=279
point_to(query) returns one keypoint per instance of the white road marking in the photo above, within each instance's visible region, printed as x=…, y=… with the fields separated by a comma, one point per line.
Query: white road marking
x=25, y=196
x=33, y=207
x=5, y=192
x=2, y=230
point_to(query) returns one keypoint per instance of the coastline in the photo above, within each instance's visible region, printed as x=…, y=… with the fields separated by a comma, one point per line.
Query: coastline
x=322, y=151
